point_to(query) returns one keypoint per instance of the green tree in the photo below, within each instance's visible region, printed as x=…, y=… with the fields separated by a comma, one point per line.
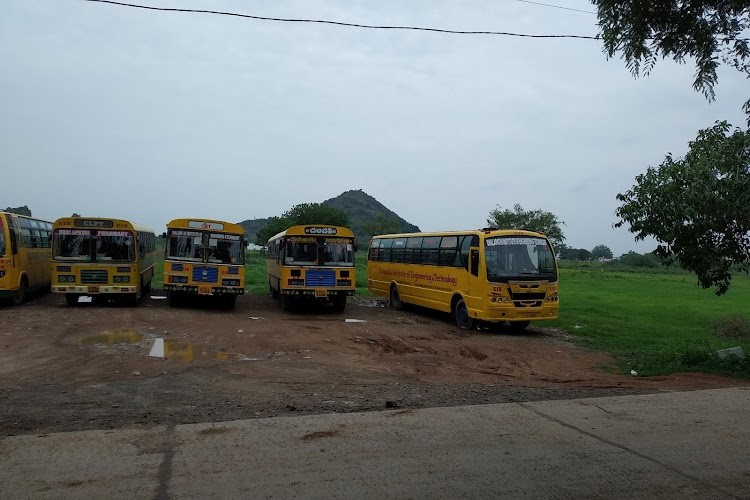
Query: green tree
x=382, y=224
x=601, y=251
x=706, y=31
x=24, y=210
x=637, y=260
x=304, y=213
x=534, y=220
x=697, y=207
x=575, y=254
x=274, y=226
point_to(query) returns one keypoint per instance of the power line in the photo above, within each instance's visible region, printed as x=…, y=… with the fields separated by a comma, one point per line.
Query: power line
x=557, y=6
x=338, y=23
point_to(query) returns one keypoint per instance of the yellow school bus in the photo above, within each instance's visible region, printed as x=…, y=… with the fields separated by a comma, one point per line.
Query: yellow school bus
x=313, y=262
x=102, y=257
x=490, y=275
x=204, y=257
x=24, y=256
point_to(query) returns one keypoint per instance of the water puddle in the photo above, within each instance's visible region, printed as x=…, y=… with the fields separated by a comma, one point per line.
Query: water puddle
x=184, y=351
x=113, y=337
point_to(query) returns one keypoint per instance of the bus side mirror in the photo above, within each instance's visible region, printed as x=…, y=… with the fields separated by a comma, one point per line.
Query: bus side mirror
x=474, y=261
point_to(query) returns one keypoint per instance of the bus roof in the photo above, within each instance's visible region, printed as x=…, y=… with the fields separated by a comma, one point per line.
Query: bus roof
x=490, y=232
x=206, y=224
x=100, y=223
x=314, y=230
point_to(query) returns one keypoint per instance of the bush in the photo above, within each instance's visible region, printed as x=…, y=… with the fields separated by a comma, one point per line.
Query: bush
x=733, y=327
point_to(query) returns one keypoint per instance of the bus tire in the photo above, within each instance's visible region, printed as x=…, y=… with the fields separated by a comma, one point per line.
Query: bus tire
x=461, y=315
x=20, y=295
x=519, y=326
x=395, y=300
x=71, y=299
x=339, y=303
x=286, y=302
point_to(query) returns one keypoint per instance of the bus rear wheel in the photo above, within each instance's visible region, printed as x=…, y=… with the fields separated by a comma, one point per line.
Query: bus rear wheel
x=20, y=295
x=395, y=300
x=461, y=314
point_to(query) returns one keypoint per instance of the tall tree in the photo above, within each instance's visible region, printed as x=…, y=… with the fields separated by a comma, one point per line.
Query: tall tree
x=697, y=207
x=317, y=213
x=534, y=220
x=707, y=31
x=601, y=251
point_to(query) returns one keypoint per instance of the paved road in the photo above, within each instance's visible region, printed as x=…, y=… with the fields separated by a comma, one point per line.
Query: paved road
x=670, y=445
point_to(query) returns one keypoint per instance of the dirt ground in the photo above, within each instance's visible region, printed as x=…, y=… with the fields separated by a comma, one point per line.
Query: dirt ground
x=88, y=367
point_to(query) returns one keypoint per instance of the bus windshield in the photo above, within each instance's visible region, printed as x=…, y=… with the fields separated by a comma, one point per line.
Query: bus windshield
x=312, y=251
x=518, y=256
x=185, y=245
x=198, y=246
x=225, y=248
x=76, y=244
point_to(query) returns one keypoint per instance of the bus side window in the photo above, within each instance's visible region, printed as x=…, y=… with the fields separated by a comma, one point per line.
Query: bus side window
x=13, y=235
x=475, y=261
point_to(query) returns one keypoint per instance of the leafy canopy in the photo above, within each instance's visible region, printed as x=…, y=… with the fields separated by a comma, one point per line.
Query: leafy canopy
x=708, y=31
x=697, y=207
x=601, y=251
x=534, y=220
x=304, y=213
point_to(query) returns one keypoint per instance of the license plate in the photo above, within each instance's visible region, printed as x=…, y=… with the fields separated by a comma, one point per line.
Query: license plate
x=204, y=290
x=321, y=293
x=93, y=289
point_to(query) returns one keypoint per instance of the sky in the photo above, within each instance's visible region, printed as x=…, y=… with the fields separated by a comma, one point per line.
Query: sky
x=149, y=116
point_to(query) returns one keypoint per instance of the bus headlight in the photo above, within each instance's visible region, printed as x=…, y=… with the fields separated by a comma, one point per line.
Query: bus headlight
x=225, y=282
x=178, y=279
x=64, y=278
x=122, y=279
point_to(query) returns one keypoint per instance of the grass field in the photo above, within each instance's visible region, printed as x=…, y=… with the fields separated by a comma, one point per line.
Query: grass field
x=654, y=321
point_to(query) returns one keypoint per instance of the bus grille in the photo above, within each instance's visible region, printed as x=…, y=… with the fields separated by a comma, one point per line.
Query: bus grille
x=206, y=274
x=320, y=277
x=527, y=299
x=94, y=276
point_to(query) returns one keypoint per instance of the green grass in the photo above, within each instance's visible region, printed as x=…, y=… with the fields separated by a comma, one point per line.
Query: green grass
x=653, y=320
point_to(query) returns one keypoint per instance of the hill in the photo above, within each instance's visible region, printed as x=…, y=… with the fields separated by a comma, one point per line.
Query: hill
x=362, y=210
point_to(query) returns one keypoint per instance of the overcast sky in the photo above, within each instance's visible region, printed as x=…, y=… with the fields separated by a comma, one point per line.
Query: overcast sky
x=150, y=116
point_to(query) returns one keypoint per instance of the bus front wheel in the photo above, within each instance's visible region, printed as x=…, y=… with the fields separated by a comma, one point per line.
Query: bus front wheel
x=395, y=300
x=20, y=295
x=286, y=302
x=339, y=303
x=519, y=325
x=461, y=314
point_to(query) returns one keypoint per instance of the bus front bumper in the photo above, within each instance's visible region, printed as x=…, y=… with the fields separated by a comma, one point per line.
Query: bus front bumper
x=519, y=314
x=215, y=290
x=95, y=289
